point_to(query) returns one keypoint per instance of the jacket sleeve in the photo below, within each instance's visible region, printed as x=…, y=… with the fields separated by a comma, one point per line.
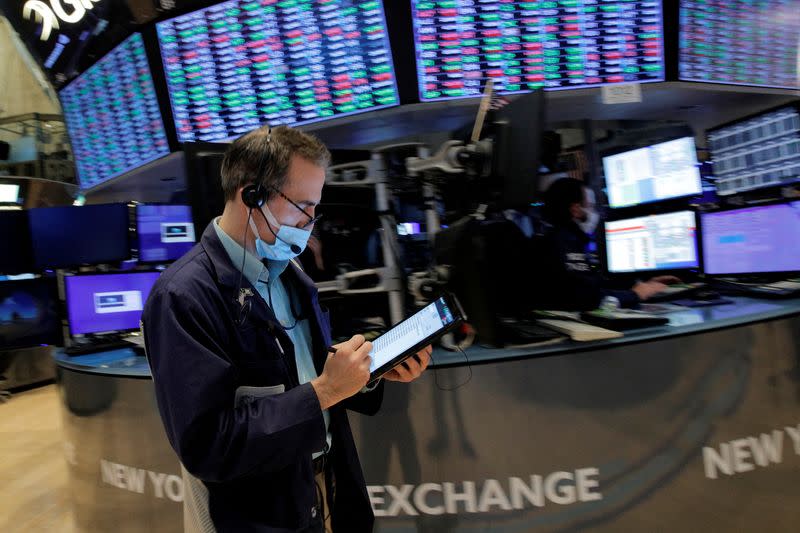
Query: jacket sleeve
x=195, y=386
x=368, y=402
x=557, y=286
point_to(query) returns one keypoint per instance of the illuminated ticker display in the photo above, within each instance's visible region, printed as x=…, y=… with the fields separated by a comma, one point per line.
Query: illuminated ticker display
x=741, y=42
x=522, y=46
x=112, y=115
x=239, y=65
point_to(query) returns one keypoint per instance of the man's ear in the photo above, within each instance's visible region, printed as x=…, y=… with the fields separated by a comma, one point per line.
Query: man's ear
x=575, y=210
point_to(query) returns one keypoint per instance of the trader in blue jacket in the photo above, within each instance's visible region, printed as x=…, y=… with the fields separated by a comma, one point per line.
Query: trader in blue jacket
x=252, y=400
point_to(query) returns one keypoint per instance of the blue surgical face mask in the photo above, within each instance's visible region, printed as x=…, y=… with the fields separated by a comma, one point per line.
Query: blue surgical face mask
x=288, y=237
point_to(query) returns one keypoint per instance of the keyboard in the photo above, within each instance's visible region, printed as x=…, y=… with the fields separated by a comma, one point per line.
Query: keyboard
x=95, y=347
x=676, y=291
x=776, y=289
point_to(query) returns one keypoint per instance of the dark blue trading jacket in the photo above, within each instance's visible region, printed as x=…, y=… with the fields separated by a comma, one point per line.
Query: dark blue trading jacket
x=567, y=275
x=254, y=458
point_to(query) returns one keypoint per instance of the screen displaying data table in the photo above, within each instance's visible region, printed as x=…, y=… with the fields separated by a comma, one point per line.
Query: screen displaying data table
x=524, y=46
x=112, y=115
x=656, y=242
x=743, y=42
x=239, y=65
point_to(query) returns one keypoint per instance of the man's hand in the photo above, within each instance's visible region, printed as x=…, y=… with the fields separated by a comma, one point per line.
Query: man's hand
x=666, y=280
x=647, y=289
x=411, y=368
x=345, y=372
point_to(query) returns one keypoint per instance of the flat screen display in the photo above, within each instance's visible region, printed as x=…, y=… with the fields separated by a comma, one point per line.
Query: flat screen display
x=524, y=46
x=16, y=256
x=659, y=172
x=763, y=239
x=164, y=232
x=741, y=42
x=106, y=303
x=657, y=242
x=9, y=193
x=71, y=236
x=242, y=64
x=112, y=115
x=760, y=151
x=29, y=313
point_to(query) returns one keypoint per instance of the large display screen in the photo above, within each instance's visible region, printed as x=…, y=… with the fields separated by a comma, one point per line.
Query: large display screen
x=655, y=242
x=742, y=42
x=29, y=313
x=164, y=232
x=16, y=255
x=760, y=151
x=106, y=303
x=112, y=115
x=70, y=236
x=241, y=64
x=659, y=172
x=761, y=239
x=523, y=46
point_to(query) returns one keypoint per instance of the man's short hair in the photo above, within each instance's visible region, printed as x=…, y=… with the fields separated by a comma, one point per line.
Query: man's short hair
x=559, y=198
x=263, y=155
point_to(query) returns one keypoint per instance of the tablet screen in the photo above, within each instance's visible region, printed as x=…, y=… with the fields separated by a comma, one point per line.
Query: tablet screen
x=424, y=323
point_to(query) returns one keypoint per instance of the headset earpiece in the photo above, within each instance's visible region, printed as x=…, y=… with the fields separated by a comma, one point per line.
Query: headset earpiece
x=254, y=195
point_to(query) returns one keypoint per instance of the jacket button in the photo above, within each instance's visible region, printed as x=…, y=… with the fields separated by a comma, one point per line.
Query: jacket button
x=313, y=512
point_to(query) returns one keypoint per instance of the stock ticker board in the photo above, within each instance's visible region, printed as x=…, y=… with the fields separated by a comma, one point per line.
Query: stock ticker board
x=112, y=115
x=238, y=65
x=741, y=42
x=522, y=46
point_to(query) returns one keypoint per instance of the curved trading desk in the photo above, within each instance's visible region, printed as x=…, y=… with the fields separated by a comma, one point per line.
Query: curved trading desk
x=687, y=427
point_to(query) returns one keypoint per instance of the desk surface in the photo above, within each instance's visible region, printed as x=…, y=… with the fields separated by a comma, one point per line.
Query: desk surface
x=124, y=362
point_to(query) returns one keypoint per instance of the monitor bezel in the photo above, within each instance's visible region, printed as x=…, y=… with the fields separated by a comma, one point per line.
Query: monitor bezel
x=757, y=275
x=64, y=293
x=603, y=248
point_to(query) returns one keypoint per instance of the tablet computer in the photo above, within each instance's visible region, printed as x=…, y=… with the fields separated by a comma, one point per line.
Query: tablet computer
x=414, y=333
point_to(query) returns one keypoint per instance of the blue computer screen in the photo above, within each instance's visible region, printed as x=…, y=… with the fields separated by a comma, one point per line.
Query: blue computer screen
x=741, y=42
x=656, y=242
x=238, y=65
x=71, y=236
x=523, y=46
x=653, y=173
x=29, y=313
x=112, y=115
x=106, y=303
x=164, y=232
x=760, y=239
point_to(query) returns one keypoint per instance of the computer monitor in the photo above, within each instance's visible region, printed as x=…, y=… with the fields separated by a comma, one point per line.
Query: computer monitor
x=29, y=313
x=654, y=173
x=523, y=46
x=656, y=242
x=71, y=236
x=112, y=115
x=163, y=232
x=740, y=43
x=16, y=256
x=761, y=150
x=9, y=193
x=517, y=147
x=751, y=240
x=106, y=303
x=238, y=65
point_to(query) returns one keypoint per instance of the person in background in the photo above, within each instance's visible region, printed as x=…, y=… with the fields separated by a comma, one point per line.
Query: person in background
x=566, y=271
x=252, y=398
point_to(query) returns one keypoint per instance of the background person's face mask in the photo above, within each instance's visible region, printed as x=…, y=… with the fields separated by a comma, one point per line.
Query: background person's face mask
x=289, y=242
x=590, y=220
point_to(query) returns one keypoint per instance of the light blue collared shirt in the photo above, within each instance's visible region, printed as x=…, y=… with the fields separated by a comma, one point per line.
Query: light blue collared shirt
x=268, y=280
